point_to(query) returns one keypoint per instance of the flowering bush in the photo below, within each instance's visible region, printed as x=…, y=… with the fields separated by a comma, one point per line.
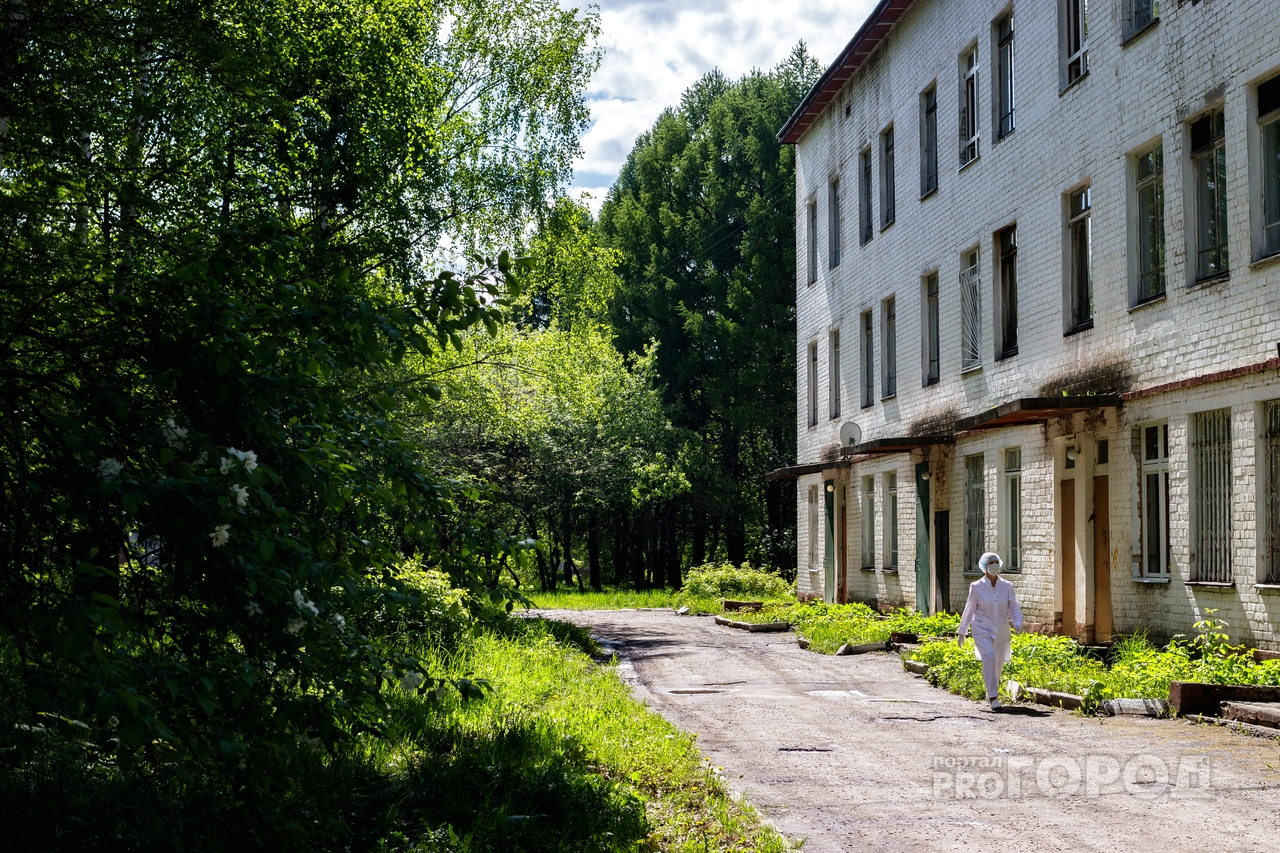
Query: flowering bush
x=722, y=580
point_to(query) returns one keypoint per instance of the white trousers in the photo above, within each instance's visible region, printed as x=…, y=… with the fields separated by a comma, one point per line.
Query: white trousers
x=991, y=663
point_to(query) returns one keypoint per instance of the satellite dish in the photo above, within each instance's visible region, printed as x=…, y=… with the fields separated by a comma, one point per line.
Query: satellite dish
x=850, y=434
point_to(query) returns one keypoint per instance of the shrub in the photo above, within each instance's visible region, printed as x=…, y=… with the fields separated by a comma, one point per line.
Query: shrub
x=722, y=580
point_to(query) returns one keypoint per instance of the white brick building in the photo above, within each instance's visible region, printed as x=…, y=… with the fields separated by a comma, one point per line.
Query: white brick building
x=1038, y=266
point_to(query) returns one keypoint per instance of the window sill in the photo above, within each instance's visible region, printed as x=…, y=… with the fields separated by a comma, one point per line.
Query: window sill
x=887, y=397
x=1164, y=580
x=867, y=405
x=1009, y=353
x=867, y=569
x=1139, y=33
x=1267, y=587
x=1149, y=301
x=1077, y=329
x=1212, y=584
x=1220, y=278
x=964, y=166
x=931, y=193
x=889, y=570
x=1265, y=261
x=1000, y=139
x=929, y=383
x=968, y=370
x=885, y=226
x=1072, y=84
x=864, y=240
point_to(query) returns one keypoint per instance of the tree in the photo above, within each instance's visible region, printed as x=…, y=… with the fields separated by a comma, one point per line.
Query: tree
x=214, y=222
x=702, y=214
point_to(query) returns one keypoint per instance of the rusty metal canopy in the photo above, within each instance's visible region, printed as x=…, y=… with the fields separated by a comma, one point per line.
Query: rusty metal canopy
x=873, y=31
x=790, y=472
x=896, y=444
x=1034, y=410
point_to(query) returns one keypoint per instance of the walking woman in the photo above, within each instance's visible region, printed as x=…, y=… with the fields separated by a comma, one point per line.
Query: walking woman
x=992, y=605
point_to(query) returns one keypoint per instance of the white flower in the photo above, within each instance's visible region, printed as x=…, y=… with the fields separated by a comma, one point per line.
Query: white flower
x=241, y=493
x=109, y=468
x=303, y=605
x=411, y=680
x=250, y=460
x=338, y=622
x=202, y=459
x=296, y=624
x=253, y=608
x=114, y=721
x=221, y=535
x=173, y=433
x=225, y=467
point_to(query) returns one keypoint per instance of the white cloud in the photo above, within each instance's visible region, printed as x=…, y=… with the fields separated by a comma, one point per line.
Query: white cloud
x=656, y=49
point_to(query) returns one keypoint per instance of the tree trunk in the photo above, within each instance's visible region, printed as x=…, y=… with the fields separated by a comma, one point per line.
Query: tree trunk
x=620, y=542
x=699, y=555
x=735, y=536
x=593, y=552
x=773, y=512
x=635, y=555
x=566, y=534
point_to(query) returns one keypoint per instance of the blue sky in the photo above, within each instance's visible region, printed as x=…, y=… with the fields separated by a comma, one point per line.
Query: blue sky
x=655, y=49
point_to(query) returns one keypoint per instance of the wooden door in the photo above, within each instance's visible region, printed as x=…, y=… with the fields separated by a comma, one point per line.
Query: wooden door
x=1101, y=561
x=1067, y=552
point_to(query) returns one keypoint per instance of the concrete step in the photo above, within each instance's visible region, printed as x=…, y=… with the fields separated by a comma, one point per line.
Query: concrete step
x=1254, y=713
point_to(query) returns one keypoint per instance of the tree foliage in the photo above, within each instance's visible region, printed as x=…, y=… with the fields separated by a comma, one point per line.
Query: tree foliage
x=703, y=216
x=214, y=222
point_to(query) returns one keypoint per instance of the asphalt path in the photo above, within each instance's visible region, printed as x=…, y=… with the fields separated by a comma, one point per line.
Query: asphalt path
x=854, y=754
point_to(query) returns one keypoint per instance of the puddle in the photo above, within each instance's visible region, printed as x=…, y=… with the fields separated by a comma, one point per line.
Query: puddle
x=930, y=720
x=806, y=749
x=693, y=691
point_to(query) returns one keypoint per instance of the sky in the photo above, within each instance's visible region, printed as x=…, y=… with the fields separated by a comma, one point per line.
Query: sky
x=655, y=49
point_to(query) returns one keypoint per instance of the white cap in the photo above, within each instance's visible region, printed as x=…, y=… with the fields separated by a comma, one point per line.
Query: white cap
x=989, y=558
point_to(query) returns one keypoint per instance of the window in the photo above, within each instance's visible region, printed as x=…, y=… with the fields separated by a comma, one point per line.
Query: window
x=833, y=214
x=1153, y=500
x=1209, y=168
x=1269, y=124
x=1211, y=491
x=969, y=107
x=1073, y=38
x=1004, y=76
x=1149, y=192
x=889, y=358
x=1138, y=15
x=932, y=351
x=1007, y=243
x=975, y=498
x=891, y=521
x=1080, y=283
x=813, y=527
x=864, y=197
x=970, y=314
x=833, y=390
x=928, y=141
x=813, y=384
x=868, y=362
x=1013, y=509
x=1269, y=570
x=869, y=523
x=813, y=241
x=887, y=204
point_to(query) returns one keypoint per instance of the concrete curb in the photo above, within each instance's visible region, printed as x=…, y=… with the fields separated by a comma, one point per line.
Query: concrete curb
x=754, y=627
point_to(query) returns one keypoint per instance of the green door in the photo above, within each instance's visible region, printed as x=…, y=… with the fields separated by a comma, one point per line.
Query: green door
x=829, y=552
x=922, y=538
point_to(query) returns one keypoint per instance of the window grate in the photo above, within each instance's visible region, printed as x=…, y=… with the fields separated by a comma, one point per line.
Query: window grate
x=1211, y=466
x=1271, y=441
x=970, y=318
x=974, y=511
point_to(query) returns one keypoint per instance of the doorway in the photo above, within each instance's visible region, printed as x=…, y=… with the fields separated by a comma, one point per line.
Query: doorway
x=1067, y=550
x=842, y=547
x=1101, y=560
x=828, y=552
x=942, y=559
x=922, y=538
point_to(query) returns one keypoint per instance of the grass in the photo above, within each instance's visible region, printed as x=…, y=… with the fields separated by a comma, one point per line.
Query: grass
x=610, y=599
x=556, y=757
x=829, y=626
x=1137, y=669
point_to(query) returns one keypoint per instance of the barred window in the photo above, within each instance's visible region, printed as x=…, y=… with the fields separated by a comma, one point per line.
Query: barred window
x=869, y=523
x=975, y=499
x=1211, y=497
x=1270, y=568
x=970, y=313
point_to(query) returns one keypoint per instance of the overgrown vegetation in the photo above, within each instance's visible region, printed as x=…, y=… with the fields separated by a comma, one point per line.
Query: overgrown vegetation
x=1134, y=669
x=830, y=626
x=554, y=755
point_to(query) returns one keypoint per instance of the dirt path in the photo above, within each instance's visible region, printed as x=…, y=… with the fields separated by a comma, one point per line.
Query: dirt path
x=854, y=754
